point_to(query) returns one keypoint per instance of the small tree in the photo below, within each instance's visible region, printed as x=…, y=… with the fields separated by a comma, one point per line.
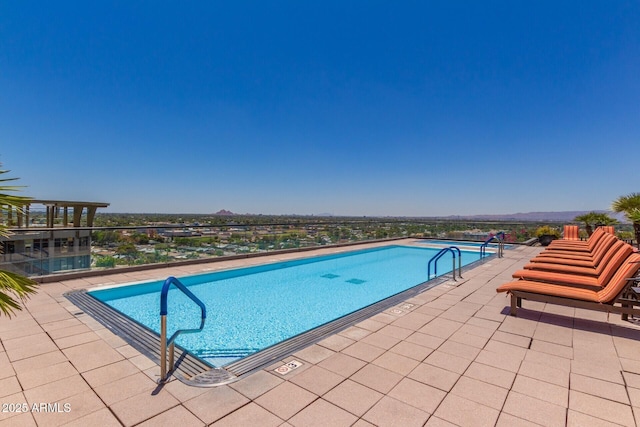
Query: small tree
x=592, y=218
x=630, y=205
x=14, y=288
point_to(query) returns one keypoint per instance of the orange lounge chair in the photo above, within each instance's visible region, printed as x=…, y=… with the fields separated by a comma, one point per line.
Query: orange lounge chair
x=602, y=255
x=570, y=232
x=576, y=278
x=578, y=245
x=605, y=244
x=618, y=290
x=609, y=229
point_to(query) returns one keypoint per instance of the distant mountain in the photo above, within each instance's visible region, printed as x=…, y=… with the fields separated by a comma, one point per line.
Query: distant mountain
x=224, y=212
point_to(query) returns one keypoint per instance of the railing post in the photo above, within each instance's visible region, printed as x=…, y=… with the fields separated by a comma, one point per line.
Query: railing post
x=163, y=347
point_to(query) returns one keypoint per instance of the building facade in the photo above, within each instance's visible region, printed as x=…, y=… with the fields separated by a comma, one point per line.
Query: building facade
x=48, y=236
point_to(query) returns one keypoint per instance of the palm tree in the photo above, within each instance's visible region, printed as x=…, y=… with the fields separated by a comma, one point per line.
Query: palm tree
x=592, y=218
x=630, y=205
x=13, y=287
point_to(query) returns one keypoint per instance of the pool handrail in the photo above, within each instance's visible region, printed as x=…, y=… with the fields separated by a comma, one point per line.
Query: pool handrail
x=164, y=342
x=499, y=237
x=439, y=255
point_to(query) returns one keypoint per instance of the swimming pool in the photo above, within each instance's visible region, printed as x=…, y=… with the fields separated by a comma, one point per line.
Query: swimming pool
x=458, y=243
x=249, y=309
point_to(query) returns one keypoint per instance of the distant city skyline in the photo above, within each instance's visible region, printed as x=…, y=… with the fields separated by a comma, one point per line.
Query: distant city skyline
x=416, y=108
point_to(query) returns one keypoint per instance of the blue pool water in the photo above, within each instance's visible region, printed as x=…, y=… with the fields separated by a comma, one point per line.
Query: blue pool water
x=249, y=309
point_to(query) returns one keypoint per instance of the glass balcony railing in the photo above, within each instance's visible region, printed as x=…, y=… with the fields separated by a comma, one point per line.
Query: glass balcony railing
x=38, y=251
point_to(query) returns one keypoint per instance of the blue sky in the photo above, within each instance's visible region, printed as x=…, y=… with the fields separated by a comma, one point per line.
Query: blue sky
x=347, y=107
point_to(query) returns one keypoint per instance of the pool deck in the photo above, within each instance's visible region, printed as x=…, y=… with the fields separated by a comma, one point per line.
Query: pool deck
x=450, y=356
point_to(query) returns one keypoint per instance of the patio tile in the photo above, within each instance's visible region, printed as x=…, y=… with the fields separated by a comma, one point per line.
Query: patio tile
x=392, y=412
x=599, y=388
x=544, y=373
x=513, y=339
x=37, y=362
x=518, y=325
x=448, y=361
x=417, y=394
x=34, y=378
x=215, y=403
x=464, y=336
x=508, y=420
x=425, y=340
x=336, y=342
x=249, y=415
x=371, y=325
x=102, y=418
x=541, y=390
x=317, y=380
x=601, y=408
x=438, y=422
x=434, y=376
x=143, y=406
x=396, y=363
x=73, y=340
x=56, y=391
x=256, y=384
x=6, y=368
x=507, y=361
x=124, y=388
x=20, y=420
x=354, y=333
x=81, y=405
x=322, y=413
x=553, y=349
x=554, y=334
x=535, y=410
x=286, y=400
x=377, y=378
x=395, y=331
x=459, y=349
x=548, y=360
x=86, y=357
x=611, y=373
x=411, y=350
x=463, y=412
x=441, y=328
x=342, y=364
x=29, y=346
x=480, y=392
x=578, y=419
x=314, y=353
x=109, y=373
x=490, y=374
x=177, y=416
x=631, y=379
x=63, y=332
x=381, y=340
x=9, y=386
x=363, y=351
x=353, y=397
x=413, y=321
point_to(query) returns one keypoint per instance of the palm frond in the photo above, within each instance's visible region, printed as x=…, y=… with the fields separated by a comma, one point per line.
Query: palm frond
x=14, y=287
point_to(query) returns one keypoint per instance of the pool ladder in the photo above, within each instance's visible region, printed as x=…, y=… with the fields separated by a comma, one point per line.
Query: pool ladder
x=499, y=238
x=439, y=255
x=170, y=343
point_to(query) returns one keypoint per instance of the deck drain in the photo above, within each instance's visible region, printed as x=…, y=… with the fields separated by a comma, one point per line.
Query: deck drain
x=356, y=281
x=330, y=276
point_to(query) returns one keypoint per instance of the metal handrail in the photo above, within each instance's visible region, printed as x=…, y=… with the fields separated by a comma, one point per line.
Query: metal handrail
x=163, y=325
x=439, y=255
x=500, y=240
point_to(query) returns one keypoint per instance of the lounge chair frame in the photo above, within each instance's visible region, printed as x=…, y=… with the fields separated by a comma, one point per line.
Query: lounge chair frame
x=628, y=298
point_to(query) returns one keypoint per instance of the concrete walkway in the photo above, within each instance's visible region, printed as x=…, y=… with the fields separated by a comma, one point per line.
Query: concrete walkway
x=450, y=356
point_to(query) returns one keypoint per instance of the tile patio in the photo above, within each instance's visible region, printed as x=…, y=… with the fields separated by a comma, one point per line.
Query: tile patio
x=450, y=356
